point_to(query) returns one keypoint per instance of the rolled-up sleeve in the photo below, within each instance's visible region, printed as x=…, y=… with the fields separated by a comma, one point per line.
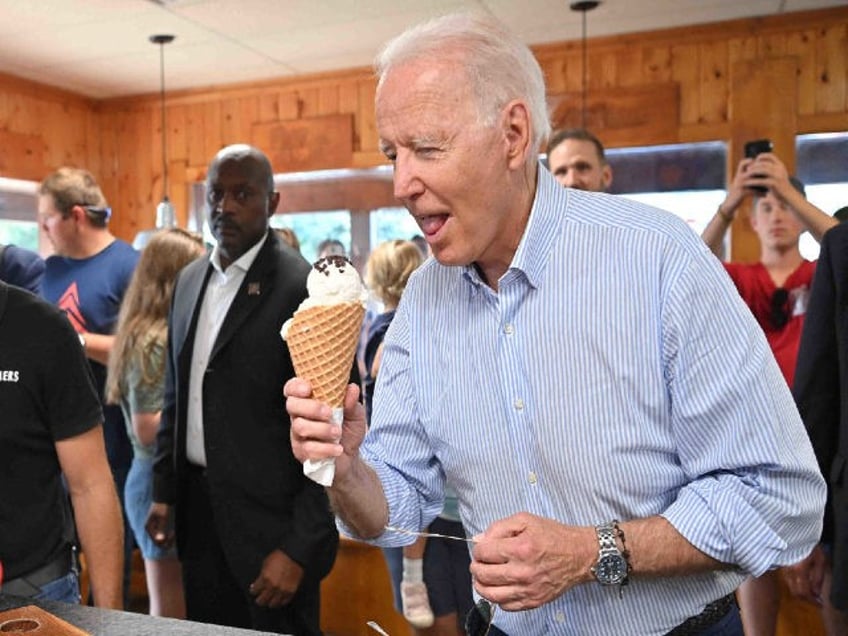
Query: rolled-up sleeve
x=755, y=496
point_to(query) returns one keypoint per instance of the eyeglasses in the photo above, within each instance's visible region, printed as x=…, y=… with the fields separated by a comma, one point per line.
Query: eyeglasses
x=478, y=622
x=779, y=313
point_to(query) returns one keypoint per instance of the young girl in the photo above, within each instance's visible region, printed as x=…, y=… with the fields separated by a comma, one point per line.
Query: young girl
x=136, y=381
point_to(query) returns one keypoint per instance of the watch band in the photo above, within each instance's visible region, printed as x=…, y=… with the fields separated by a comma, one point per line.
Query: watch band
x=606, y=538
x=613, y=565
x=619, y=533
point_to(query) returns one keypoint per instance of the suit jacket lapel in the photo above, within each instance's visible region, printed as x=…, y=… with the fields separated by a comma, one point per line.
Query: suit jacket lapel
x=254, y=288
x=187, y=304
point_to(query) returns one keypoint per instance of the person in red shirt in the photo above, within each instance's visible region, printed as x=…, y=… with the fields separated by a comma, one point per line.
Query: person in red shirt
x=776, y=289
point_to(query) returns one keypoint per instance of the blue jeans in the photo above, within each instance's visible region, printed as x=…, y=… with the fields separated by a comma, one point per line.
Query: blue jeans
x=65, y=589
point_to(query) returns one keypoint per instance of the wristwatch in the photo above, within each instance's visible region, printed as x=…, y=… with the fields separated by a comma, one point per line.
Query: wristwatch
x=82, y=340
x=612, y=567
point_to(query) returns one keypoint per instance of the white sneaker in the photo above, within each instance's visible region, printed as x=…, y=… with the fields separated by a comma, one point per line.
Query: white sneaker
x=416, y=605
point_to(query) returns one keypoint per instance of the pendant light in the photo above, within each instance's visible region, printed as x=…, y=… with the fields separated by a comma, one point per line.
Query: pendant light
x=165, y=215
x=584, y=7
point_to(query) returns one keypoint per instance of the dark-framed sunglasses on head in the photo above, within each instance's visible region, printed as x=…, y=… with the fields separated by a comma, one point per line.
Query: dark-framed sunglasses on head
x=104, y=213
x=779, y=311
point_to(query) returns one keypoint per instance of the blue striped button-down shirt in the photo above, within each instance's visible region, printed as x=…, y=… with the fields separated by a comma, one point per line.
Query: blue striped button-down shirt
x=615, y=374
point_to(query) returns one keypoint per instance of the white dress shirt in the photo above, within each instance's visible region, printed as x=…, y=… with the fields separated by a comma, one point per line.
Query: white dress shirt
x=219, y=295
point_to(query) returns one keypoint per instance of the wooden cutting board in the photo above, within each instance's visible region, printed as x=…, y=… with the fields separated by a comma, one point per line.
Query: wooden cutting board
x=34, y=621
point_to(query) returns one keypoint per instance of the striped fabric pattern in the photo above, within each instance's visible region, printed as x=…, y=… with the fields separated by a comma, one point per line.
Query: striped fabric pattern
x=615, y=374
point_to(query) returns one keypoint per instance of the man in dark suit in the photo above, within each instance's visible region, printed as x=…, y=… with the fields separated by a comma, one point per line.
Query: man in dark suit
x=254, y=535
x=821, y=391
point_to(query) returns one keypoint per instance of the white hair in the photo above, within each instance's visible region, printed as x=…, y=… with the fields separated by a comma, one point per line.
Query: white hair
x=499, y=66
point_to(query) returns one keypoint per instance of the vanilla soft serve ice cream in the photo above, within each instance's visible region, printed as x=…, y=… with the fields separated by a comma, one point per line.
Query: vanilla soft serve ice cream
x=334, y=280
x=331, y=281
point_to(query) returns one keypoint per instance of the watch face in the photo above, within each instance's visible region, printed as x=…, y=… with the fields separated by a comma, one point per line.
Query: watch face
x=611, y=569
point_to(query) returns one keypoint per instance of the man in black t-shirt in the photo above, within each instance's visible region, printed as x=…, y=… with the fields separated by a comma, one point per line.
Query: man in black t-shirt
x=51, y=425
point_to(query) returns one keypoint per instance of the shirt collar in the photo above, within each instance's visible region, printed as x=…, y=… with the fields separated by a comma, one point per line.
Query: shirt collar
x=550, y=206
x=243, y=262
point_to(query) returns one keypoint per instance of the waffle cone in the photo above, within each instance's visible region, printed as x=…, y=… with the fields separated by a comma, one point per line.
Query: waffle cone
x=322, y=342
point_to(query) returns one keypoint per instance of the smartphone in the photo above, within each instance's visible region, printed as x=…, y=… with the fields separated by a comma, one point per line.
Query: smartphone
x=754, y=148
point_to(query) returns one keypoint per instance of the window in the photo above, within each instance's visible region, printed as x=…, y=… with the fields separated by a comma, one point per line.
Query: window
x=313, y=227
x=696, y=207
x=687, y=180
x=821, y=165
x=392, y=223
x=18, y=210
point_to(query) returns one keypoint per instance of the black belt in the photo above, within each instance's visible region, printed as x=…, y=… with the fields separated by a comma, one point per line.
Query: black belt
x=711, y=615
x=30, y=584
x=693, y=626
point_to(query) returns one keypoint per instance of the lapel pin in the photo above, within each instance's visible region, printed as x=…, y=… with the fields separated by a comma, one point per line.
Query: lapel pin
x=253, y=289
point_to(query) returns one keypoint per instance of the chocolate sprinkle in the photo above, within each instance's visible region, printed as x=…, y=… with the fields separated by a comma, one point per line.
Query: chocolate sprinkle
x=339, y=262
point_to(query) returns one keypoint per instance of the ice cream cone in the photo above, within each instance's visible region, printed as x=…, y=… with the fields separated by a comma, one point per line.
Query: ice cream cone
x=322, y=341
x=322, y=336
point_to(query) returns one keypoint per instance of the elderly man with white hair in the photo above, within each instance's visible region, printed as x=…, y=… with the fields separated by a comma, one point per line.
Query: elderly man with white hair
x=621, y=463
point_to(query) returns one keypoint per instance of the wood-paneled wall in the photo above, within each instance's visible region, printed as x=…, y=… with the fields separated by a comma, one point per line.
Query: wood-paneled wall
x=698, y=61
x=649, y=88
x=42, y=128
x=311, y=123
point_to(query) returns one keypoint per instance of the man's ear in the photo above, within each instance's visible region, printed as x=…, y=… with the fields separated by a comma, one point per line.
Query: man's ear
x=273, y=202
x=606, y=176
x=78, y=213
x=517, y=131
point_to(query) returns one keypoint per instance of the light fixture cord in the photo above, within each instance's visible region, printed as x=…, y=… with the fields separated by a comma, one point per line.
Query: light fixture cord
x=162, y=101
x=585, y=74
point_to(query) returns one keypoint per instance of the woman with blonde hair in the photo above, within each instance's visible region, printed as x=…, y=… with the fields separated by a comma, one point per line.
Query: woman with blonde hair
x=389, y=267
x=136, y=381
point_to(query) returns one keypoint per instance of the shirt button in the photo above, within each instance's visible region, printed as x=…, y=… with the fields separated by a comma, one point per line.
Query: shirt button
x=518, y=404
x=560, y=616
x=508, y=329
x=531, y=477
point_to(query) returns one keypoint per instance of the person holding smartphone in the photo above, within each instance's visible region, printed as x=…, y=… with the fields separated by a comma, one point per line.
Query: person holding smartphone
x=776, y=289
